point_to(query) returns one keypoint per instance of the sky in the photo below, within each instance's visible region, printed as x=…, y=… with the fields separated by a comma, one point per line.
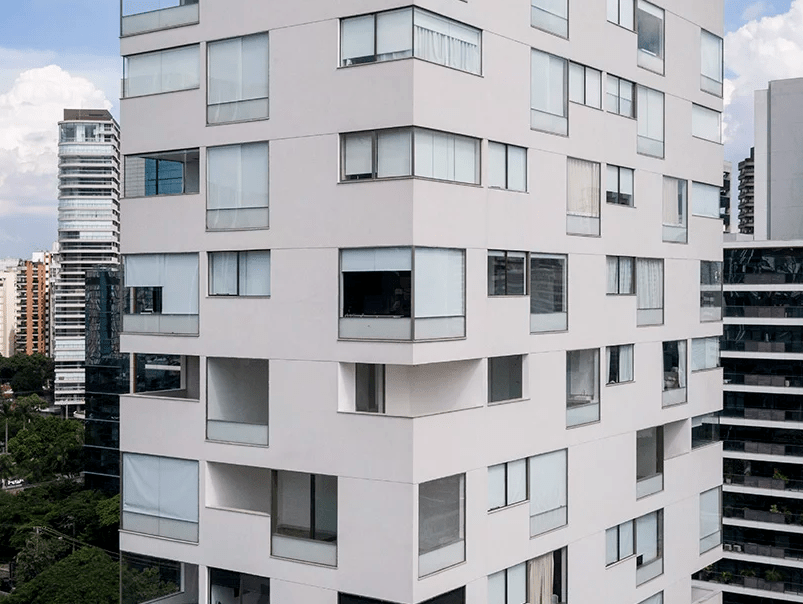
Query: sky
x=57, y=54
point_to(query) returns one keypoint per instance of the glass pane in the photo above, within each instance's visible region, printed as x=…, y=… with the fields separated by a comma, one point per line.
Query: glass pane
x=325, y=508
x=496, y=487
x=576, y=83
x=497, y=165
x=496, y=273
x=357, y=40
x=516, y=481
x=516, y=168
x=516, y=272
x=440, y=513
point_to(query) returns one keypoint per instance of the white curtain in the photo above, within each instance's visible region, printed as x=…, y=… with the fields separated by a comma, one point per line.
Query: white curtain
x=613, y=274
x=223, y=273
x=176, y=274
x=548, y=83
x=626, y=538
x=516, y=168
x=356, y=38
x=376, y=259
x=255, y=273
x=650, y=283
x=704, y=353
x=359, y=154
x=162, y=71
x=674, y=206
x=705, y=199
x=394, y=153
x=497, y=587
x=517, y=584
x=647, y=537
x=160, y=486
x=516, y=481
x=682, y=363
x=710, y=510
x=583, y=184
x=446, y=156
x=626, y=363
x=577, y=83
x=394, y=34
x=593, y=88
x=548, y=487
x=711, y=56
x=238, y=73
x=612, y=545
x=706, y=123
x=237, y=186
x=541, y=573
x=625, y=275
x=650, y=113
x=439, y=283
x=446, y=42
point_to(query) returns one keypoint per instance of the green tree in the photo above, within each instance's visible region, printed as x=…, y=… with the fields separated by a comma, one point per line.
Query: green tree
x=39, y=553
x=18, y=412
x=88, y=576
x=47, y=447
x=27, y=373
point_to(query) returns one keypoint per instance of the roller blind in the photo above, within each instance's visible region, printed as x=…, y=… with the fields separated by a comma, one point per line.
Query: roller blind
x=439, y=283
x=160, y=486
x=548, y=489
x=376, y=259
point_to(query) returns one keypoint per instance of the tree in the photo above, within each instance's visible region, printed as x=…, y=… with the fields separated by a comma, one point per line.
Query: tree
x=39, y=553
x=88, y=576
x=27, y=373
x=45, y=448
x=18, y=412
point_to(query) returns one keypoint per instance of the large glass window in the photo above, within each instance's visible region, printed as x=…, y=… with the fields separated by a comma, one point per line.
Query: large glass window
x=649, y=461
x=145, y=579
x=619, y=96
x=231, y=587
x=620, y=542
x=551, y=16
x=370, y=388
x=162, y=71
x=710, y=519
x=650, y=122
x=140, y=16
x=507, y=273
x=620, y=364
x=582, y=387
x=704, y=353
x=239, y=273
x=650, y=291
x=585, y=85
x=238, y=79
x=237, y=187
x=621, y=271
x=548, y=292
x=649, y=546
x=621, y=12
x=705, y=200
x=674, y=372
x=409, y=32
x=507, y=484
x=710, y=63
x=650, y=26
x=504, y=378
x=583, y=197
x=507, y=167
x=160, y=496
x=165, y=173
x=675, y=212
x=710, y=291
x=548, y=93
x=619, y=186
x=389, y=154
x=548, y=492
x=441, y=524
x=304, y=517
x=704, y=430
x=508, y=586
x=706, y=123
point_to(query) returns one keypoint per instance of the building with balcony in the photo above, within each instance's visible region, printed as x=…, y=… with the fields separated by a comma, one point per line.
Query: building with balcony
x=747, y=193
x=33, y=305
x=407, y=301
x=89, y=235
x=725, y=196
x=8, y=309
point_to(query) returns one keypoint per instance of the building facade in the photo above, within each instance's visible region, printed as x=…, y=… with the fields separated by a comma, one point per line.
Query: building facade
x=8, y=310
x=89, y=234
x=33, y=303
x=424, y=277
x=747, y=193
x=725, y=196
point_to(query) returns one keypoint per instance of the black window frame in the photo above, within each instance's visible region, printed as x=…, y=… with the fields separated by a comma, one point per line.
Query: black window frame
x=618, y=193
x=507, y=273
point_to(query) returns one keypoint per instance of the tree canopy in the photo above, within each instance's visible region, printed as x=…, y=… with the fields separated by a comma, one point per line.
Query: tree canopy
x=27, y=373
x=45, y=448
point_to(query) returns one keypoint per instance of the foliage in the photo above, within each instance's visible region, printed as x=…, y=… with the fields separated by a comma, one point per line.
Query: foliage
x=773, y=575
x=747, y=572
x=108, y=511
x=777, y=475
x=143, y=585
x=45, y=448
x=39, y=553
x=18, y=412
x=27, y=374
x=88, y=576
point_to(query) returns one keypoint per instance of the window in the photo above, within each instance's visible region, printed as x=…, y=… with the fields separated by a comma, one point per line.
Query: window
x=548, y=287
x=441, y=524
x=551, y=16
x=704, y=353
x=710, y=519
x=304, y=520
x=705, y=200
x=582, y=387
x=583, y=197
x=160, y=496
x=675, y=214
x=162, y=293
x=370, y=388
x=389, y=154
x=166, y=173
x=377, y=287
x=649, y=546
x=621, y=13
x=706, y=123
x=650, y=291
x=507, y=484
x=409, y=32
x=704, y=430
x=620, y=275
x=238, y=79
x=710, y=63
x=620, y=364
x=508, y=586
x=239, y=273
x=237, y=187
x=656, y=599
x=507, y=273
x=157, y=575
x=237, y=588
x=504, y=378
x=674, y=372
x=620, y=542
x=138, y=18
x=650, y=26
x=548, y=492
x=585, y=85
x=237, y=396
x=620, y=186
x=710, y=291
x=548, y=93
x=507, y=167
x=649, y=461
x=619, y=96
x=162, y=71
x=650, y=122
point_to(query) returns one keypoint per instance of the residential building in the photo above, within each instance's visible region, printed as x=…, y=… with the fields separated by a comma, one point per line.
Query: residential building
x=747, y=193
x=8, y=309
x=422, y=278
x=89, y=234
x=725, y=196
x=33, y=299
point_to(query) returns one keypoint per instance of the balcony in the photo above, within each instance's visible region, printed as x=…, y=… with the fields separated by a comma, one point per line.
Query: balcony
x=763, y=482
x=765, y=312
x=765, y=414
x=176, y=14
x=763, y=448
x=748, y=578
x=773, y=381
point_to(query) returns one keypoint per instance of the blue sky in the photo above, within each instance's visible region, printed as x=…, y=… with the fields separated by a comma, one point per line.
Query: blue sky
x=65, y=53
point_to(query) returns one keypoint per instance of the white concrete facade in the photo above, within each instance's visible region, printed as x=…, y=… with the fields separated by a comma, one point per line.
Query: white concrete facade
x=437, y=420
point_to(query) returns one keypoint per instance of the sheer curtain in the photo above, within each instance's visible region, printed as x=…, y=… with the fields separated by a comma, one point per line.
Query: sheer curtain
x=446, y=42
x=548, y=93
x=625, y=275
x=674, y=202
x=394, y=153
x=541, y=573
x=613, y=274
x=223, y=273
x=238, y=79
x=254, y=277
x=439, y=283
x=394, y=34
x=682, y=363
x=650, y=283
x=237, y=186
x=548, y=491
x=584, y=184
x=705, y=199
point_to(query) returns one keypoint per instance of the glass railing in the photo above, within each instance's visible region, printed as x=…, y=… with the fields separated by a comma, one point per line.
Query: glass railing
x=760, y=346
x=762, y=414
x=765, y=312
x=769, y=550
x=762, y=448
x=153, y=15
x=768, y=582
x=753, y=379
x=764, y=482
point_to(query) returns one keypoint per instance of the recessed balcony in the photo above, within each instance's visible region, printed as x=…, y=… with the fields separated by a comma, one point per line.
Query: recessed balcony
x=175, y=14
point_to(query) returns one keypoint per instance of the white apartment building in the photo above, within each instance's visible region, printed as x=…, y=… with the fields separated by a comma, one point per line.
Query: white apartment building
x=8, y=308
x=89, y=234
x=440, y=280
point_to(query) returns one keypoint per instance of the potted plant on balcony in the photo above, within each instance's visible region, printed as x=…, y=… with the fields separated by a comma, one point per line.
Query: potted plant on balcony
x=774, y=580
x=776, y=515
x=726, y=577
x=779, y=480
x=750, y=578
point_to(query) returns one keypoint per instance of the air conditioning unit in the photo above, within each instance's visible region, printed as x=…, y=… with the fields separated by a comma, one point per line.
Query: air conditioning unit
x=737, y=547
x=727, y=547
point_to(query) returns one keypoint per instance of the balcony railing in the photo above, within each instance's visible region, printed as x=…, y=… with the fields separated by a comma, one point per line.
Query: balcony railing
x=762, y=448
x=775, y=381
x=760, y=346
x=763, y=549
x=767, y=415
x=181, y=13
x=727, y=577
x=764, y=482
x=765, y=312
x=773, y=516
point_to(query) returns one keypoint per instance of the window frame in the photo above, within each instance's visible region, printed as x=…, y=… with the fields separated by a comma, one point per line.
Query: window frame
x=461, y=532
x=505, y=574
x=213, y=149
x=573, y=66
x=702, y=110
x=526, y=274
x=239, y=254
x=609, y=358
x=515, y=359
x=545, y=29
x=158, y=156
x=564, y=294
x=704, y=79
x=159, y=51
x=506, y=466
x=507, y=148
x=378, y=374
x=619, y=14
x=619, y=556
x=619, y=291
x=645, y=107
x=650, y=57
x=618, y=192
x=563, y=130
x=620, y=83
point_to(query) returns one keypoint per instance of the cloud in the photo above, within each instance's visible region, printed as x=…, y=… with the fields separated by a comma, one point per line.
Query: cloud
x=770, y=48
x=755, y=10
x=29, y=113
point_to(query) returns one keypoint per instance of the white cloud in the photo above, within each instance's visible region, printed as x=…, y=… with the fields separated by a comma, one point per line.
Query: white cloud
x=29, y=113
x=770, y=48
x=755, y=10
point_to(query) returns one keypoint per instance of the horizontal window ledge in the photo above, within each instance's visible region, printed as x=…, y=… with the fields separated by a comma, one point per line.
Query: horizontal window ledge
x=156, y=20
x=304, y=550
